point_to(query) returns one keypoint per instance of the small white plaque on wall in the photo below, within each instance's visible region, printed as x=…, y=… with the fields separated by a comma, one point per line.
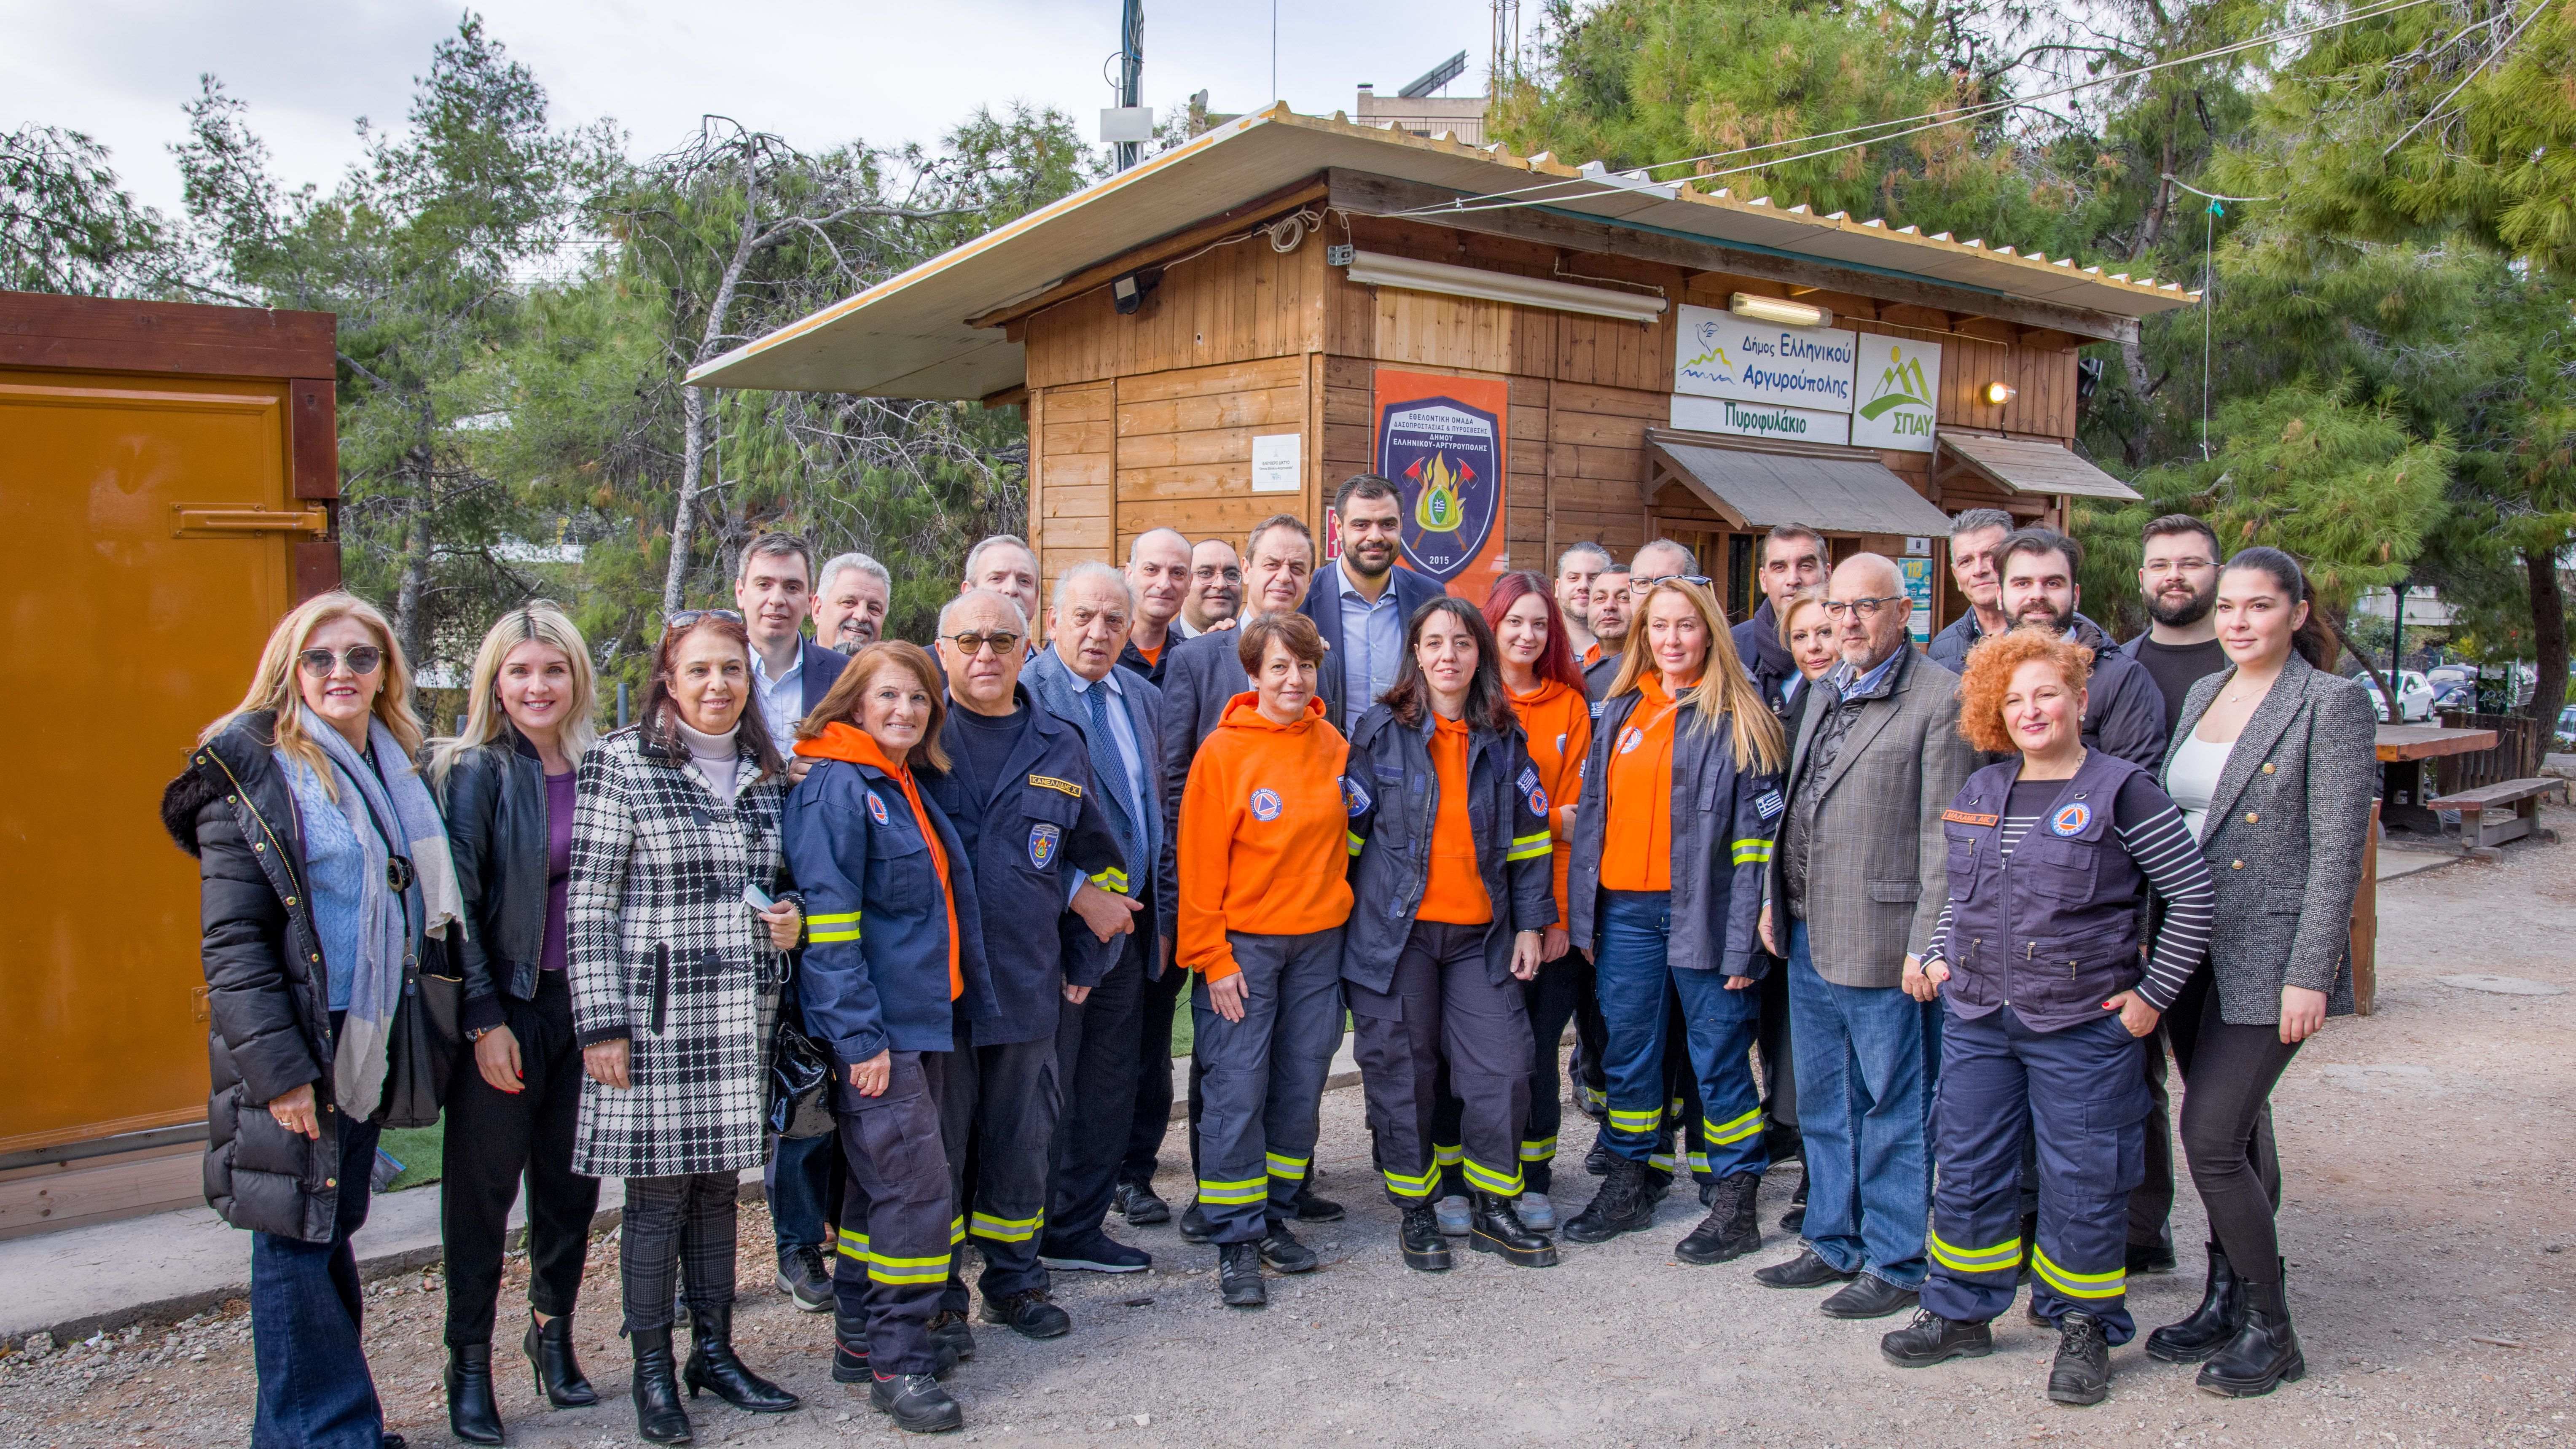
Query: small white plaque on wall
x=1275, y=463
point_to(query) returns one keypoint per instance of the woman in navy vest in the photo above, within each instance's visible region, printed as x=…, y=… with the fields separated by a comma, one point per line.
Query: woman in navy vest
x=2052, y=853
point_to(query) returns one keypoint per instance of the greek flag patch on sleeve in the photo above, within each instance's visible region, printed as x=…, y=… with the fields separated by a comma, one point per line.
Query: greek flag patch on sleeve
x=1769, y=804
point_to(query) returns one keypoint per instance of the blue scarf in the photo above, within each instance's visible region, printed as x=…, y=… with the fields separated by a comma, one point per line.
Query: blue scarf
x=396, y=804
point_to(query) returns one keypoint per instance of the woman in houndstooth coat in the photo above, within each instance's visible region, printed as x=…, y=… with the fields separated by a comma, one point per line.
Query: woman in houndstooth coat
x=675, y=981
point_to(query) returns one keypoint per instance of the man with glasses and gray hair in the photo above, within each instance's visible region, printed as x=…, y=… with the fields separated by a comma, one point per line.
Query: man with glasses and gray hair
x=1856, y=885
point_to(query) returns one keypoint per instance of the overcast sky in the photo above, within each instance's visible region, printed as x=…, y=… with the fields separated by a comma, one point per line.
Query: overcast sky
x=881, y=70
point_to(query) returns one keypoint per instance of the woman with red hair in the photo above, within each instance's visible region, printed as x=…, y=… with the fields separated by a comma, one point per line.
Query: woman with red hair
x=1536, y=655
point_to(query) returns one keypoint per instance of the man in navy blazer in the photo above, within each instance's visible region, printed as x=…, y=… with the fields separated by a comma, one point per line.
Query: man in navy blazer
x=1362, y=602
x=1101, y=1041
x=790, y=674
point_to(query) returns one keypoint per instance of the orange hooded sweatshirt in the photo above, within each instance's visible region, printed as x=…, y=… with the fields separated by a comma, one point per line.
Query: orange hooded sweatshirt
x=1558, y=721
x=1637, y=843
x=847, y=742
x=1264, y=833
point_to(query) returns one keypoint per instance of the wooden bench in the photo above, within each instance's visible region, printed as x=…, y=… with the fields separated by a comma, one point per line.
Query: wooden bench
x=2493, y=814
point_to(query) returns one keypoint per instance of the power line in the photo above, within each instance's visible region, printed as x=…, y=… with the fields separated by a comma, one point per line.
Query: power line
x=1930, y=120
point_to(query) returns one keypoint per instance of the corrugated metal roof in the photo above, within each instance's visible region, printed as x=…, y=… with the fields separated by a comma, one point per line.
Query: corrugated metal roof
x=1833, y=490
x=2025, y=465
x=908, y=336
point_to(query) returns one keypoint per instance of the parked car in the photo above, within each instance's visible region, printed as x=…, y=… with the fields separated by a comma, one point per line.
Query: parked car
x=2414, y=696
x=2454, y=694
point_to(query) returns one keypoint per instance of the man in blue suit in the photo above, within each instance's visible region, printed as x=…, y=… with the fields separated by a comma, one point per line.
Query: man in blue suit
x=789, y=676
x=1362, y=602
x=1098, y=1035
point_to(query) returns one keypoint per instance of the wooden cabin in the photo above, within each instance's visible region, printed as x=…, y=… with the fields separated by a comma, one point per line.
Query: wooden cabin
x=1542, y=355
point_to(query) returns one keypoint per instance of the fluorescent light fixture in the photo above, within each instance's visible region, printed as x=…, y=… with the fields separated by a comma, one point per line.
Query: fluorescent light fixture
x=1773, y=309
x=1999, y=393
x=1376, y=269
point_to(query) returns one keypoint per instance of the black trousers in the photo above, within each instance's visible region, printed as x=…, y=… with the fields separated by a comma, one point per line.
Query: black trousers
x=496, y=1139
x=1552, y=999
x=1779, y=1074
x=1096, y=1058
x=1442, y=1021
x=1145, y=1131
x=2151, y=1206
x=897, y=1228
x=2228, y=1074
x=997, y=1114
x=677, y=1229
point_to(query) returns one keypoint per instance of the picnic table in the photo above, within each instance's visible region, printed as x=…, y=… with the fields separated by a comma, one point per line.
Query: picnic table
x=2402, y=751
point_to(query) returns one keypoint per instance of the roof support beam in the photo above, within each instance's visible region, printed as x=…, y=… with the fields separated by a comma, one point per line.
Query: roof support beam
x=1364, y=194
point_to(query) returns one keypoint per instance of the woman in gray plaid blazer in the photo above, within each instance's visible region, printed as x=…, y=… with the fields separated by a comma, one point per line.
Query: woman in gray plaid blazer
x=677, y=957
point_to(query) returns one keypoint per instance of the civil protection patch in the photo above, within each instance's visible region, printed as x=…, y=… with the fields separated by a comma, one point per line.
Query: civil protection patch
x=2071, y=819
x=1354, y=799
x=1265, y=804
x=876, y=808
x=1044, y=837
x=1630, y=738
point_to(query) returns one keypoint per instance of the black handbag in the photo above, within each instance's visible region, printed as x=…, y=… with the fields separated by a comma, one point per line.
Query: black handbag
x=428, y=1033
x=800, y=1072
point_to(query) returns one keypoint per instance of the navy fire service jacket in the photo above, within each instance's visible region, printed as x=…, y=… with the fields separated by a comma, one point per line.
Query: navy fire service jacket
x=2052, y=931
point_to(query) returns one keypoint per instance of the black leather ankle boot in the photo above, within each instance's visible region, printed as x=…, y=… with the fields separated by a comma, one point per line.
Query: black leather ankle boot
x=659, y=1419
x=471, y=1413
x=2211, y=1325
x=559, y=1377
x=714, y=1365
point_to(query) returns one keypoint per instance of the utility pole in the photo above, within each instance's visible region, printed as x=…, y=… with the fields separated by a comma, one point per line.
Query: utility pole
x=1131, y=71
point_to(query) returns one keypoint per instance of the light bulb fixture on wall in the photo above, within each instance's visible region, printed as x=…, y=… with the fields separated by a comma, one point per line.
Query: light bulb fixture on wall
x=1774, y=309
x=1999, y=393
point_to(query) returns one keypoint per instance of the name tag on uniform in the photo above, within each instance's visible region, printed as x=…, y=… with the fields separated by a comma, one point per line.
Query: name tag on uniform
x=1962, y=817
x=1050, y=782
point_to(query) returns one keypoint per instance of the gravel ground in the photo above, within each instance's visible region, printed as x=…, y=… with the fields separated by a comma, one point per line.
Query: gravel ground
x=2428, y=1225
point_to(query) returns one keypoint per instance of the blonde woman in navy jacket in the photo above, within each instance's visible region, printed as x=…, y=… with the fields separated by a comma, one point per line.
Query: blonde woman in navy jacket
x=1681, y=793
x=893, y=969
x=1452, y=888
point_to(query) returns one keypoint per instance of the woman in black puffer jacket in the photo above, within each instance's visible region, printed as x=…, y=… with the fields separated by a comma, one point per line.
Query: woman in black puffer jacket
x=312, y=906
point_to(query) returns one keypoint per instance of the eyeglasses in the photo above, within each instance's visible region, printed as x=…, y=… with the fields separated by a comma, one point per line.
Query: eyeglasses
x=687, y=617
x=971, y=644
x=1868, y=608
x=362, y=659
x=1641, y=585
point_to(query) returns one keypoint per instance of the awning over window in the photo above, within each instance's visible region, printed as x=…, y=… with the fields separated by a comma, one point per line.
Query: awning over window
x=2022, y=465
x=1832, y=490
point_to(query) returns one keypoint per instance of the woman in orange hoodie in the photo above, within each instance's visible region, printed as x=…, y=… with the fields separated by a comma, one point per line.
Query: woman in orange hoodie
x=1536, y=654
x=1262, y=850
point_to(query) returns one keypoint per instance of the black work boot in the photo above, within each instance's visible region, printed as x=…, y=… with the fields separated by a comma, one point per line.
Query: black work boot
x=659, y=1419
x=2082, y=1372
x=1495, y=1226
x=1619, y=1207
x=2211, y=1325
x=1731, y=1229
x=1796, y=1217
x=949, y=1329
x=1282, y=1251
x=1194, y=1224
x=472, y=1415
x=714, y=1365
x=916, y=1403
x=559, y=1378
x=1028, y=1313
x=1238, y=1275
x=1313, y=1209
x=1932, y=1339
x=1598, y=1160
x=1418, y=1235
x=2264, y=1354
x=1136, y=1200
x=850, y=1354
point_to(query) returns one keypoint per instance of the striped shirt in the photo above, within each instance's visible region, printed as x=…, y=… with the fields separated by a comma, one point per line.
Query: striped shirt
x=2151, y=828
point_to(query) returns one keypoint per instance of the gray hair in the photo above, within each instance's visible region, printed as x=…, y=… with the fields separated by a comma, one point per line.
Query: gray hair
x=1587, y=550
x=864, y=564
x=1690, y=559
x=999, y=540
x=1094, y=569
x=996, y=595
x=1978, y=520
x=1138, y=546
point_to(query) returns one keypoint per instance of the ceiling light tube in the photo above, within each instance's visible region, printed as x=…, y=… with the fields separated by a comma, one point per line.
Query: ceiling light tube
x=1376, y=269
x=1774, y=309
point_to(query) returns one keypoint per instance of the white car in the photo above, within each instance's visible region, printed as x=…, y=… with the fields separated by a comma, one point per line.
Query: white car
x=2414, y=696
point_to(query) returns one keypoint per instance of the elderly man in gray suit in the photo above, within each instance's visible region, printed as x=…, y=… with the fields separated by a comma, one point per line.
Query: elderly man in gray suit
x=1856, y=885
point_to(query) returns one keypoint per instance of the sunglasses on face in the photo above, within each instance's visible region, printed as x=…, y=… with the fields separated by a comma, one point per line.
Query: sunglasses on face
x=362, y=659
x=971, y=644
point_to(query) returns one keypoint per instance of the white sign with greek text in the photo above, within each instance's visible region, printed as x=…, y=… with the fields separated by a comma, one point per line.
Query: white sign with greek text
x=1758, y=420
x=1719, y=354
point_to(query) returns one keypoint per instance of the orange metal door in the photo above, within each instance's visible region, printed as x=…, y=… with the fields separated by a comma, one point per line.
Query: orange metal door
x=147, y=523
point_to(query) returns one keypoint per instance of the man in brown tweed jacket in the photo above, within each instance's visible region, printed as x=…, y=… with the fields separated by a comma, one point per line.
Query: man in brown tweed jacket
x=1855, y=888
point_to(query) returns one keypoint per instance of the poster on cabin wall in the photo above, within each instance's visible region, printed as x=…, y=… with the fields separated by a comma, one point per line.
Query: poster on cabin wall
x=1897, y=394
x=1718, y=354
x=1441, y=439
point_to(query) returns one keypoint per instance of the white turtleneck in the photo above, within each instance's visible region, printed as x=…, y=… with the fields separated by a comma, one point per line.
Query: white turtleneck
x=716, y=758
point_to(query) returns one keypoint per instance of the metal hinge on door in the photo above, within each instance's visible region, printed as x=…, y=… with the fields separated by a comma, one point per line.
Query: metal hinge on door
x=232, y=520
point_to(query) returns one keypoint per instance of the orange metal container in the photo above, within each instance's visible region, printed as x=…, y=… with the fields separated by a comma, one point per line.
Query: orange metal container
x=168, y=476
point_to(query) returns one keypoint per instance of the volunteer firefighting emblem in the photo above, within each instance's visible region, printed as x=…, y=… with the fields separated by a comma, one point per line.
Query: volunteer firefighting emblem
x=2071, y=819
x=1354, y=799
x=876, y=808
x=1265, y=805
x=1043, y=840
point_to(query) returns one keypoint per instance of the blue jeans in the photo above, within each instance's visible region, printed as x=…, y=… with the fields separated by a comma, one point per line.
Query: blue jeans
x=314, y=1388
x=804, y=1181
x=1865, y=1061
x=1633, y=978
